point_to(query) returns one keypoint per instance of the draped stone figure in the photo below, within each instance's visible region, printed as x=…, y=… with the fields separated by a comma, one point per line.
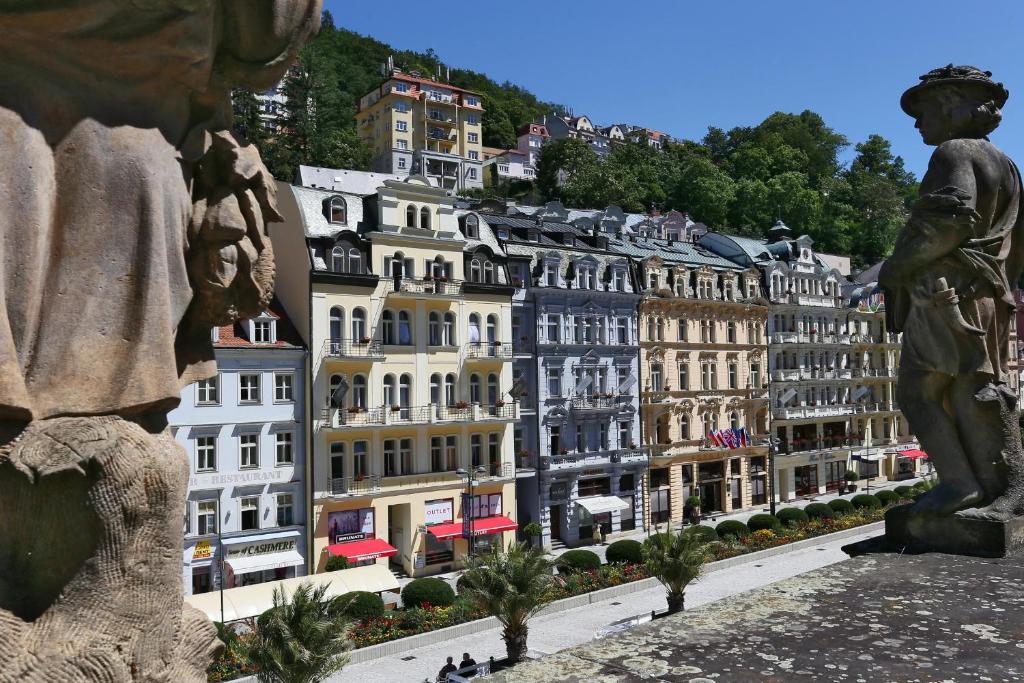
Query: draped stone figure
x=949, y=288
x=131, y=222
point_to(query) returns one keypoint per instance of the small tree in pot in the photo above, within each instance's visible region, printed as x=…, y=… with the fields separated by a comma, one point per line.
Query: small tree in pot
x=851, y=478
x=533, y=532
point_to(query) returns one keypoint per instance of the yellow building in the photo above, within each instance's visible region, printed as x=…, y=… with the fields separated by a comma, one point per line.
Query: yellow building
x=424, y=126
x=410, y=349
x=703, y=365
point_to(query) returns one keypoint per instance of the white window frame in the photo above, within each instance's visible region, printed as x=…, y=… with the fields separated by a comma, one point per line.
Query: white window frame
x=249, y=451
x=284, y=443
x=200, y=514
x=284, y=501
x=288, y=385
x=243, y=508
x=202, y=447
x=204, y=388
x=243, y=390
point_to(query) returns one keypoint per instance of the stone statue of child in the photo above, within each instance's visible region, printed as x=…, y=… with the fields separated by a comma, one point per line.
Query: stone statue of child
x=948, y=287
x=131, y=221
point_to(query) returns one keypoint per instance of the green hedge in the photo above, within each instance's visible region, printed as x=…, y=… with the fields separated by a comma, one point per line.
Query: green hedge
x=578, y=561
x=887, y=497
x=732, y=527
x=866, y=501
x=819, y=511
x=841, y=506
x=336, y=563
x=706, y=534
x=625, y=551
x=433, y=591
x=904, y=491
x=791, y=515
x=363, y=605
x=764, y=521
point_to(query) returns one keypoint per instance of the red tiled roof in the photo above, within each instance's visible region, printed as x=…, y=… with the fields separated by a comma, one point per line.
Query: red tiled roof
x=426, y=81
x=234, y=336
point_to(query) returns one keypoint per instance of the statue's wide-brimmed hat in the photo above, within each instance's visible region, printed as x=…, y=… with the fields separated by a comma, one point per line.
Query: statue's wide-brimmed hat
x=968, y=77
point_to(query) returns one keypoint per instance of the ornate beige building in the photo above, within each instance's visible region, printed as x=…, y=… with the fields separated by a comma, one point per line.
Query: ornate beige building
x=704, y=372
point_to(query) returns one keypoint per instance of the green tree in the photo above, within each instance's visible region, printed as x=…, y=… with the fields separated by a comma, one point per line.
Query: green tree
x=568, y=170
x=509, y=585
x=247, y=124
x=302, y=640
x=675, y=558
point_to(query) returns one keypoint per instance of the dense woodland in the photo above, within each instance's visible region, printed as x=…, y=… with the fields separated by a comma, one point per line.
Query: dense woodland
x=740, y=180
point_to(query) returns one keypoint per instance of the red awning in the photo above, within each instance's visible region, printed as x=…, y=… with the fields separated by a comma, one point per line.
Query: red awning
x=482, y=526
x=912, y=453
x=358, y=551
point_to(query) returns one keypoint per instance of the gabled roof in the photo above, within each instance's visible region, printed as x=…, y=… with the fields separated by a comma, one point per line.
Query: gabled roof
x=343, y=180
x=232, y=336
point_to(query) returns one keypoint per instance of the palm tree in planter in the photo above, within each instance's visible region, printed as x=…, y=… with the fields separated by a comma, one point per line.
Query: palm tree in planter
x=303, y=640
x=676, y=559
x=510, y=586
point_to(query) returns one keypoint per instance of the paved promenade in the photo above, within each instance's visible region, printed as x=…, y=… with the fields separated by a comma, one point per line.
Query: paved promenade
x=555, y=632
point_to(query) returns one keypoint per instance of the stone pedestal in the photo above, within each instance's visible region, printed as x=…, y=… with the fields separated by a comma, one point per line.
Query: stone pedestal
x=957, y=534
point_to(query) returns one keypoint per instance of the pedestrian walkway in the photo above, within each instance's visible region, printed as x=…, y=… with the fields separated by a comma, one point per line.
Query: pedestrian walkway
x=558, y=631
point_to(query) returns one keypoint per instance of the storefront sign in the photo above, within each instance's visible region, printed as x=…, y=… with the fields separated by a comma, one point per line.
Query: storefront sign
x=419, y=561
x=486, y=505
x=559, y=490
x=282, y=545
x=350, y=525
x=593, y=472
x=438, y=511
x=206, y=481
x=203, y=550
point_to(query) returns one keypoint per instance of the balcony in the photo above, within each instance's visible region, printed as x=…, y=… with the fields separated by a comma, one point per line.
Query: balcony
x=414, y=288
x=488, y=351
x=441, y=119
x=596, y=402
x=873, y=372
x=386, y=416
x=364, y=349
x=813, y=300
x=579, y=460
x=823, y=444
x=355, y=486
x=393, y=482
x=877, y=407
x=804, y=412
x=810, y=338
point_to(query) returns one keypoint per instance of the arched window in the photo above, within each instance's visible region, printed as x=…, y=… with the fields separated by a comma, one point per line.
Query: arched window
x=355, y=261
x=656, y=378
x=404, y=328
x=359, y=325
x=337, y=327
x=684, y=427
x=474, y=328
x=338, y=260
x=492, y=389
x=359, y=391
x=434, y=329
x=337, y=210
x=390, y=390
x=405, y=390
x=474, y=388
x=474, y=271
x=734, y=420
x=488, y=272
x=425, y=218
x=334, y=397
x=435, y=388
x=492, y=328
x=449, y=389
x=387, y=325
x=410, y=216
x=472, y=227
x=448, y=338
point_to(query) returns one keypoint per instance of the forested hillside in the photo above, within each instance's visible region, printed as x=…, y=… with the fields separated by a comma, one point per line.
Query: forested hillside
x=740, y=180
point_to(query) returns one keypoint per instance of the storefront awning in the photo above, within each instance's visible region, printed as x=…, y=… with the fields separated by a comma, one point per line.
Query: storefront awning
x=251, y=601
x=913, y=453
x=597, y=505
x=358, y=551
x=259, y=563
x=869, y=455
x=485, y=525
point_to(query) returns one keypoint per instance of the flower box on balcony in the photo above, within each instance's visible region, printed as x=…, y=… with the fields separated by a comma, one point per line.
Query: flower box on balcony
x=364, y=340
x=564, y=451
x=395, y=409
x=461, y=405
x=499, y=404
x=428, y=277
x=360, y=477
x=497, y=343
x=442, y=278
x=354, y=409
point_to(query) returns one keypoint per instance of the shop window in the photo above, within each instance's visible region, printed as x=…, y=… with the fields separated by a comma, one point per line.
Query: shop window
x=594, y=487
x=661, y=506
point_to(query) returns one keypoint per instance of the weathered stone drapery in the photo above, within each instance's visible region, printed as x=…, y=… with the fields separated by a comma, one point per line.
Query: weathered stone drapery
x=131, y=221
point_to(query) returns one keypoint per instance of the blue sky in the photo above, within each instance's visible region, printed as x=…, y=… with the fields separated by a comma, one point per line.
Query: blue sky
x=680, y=66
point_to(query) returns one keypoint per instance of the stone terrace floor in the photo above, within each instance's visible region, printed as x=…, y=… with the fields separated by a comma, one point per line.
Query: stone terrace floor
x=877, y=617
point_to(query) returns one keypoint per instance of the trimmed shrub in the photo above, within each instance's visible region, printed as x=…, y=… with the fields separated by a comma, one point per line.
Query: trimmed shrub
x=706, y=534
x=363, y=605
x=819, y=511
x=867, y=501
x=336, y=563
x=431, y=590
x=841, y=506
x=732, y=527
x=791, y=515
x=887, y=497
x=578, y=561
x=764, y=521
x=626, y=551
x=903, y=491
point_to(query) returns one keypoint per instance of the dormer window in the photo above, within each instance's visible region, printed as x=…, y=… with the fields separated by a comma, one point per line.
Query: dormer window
x=262, y=331
x=585, y=277
x=551, y=274
x=425, y=218
x=472, y=227
x=337, y=210
x=346, y=259
x=533, y=236
x=619, y=280
x=653, y=278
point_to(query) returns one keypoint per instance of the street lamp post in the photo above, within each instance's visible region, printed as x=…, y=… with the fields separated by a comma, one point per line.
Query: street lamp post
x=773, y=443
x=467, y=506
